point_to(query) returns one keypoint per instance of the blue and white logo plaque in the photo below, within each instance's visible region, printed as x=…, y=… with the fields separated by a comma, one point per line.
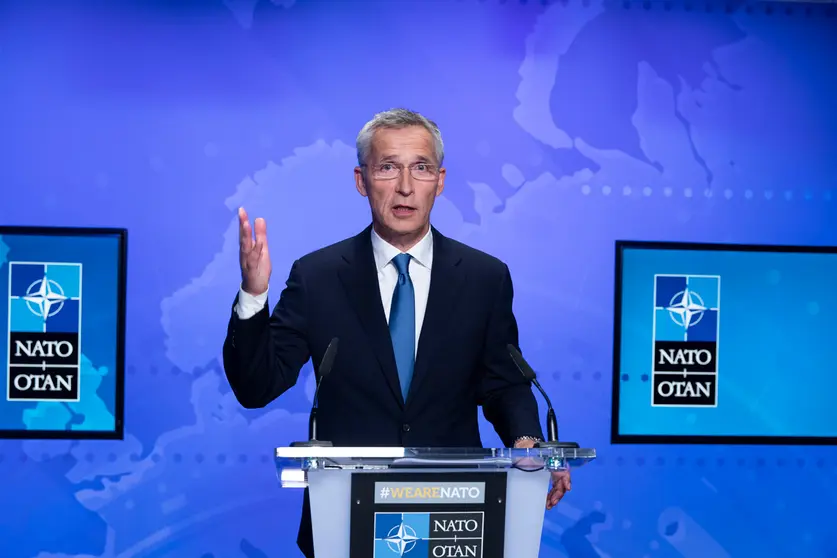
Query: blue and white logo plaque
x=44, y=332
x=686, y=334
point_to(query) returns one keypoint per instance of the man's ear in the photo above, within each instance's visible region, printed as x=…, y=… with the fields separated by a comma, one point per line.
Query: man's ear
x=360, y=182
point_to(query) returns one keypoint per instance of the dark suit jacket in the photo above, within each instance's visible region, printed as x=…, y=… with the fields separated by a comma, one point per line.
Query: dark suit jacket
x=462, y=361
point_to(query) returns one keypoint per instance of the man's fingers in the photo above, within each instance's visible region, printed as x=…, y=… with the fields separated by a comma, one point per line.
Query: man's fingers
x=261, y=230
x=562, y=478
x=554, y=497
x=264, y=255
x=246, y=238
x=259, y=251
x=551, y=500
x=245, y=234
x=560, y=485
x=252, y=240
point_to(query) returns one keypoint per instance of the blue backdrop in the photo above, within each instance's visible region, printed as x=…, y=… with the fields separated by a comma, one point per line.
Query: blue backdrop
x=567, y=126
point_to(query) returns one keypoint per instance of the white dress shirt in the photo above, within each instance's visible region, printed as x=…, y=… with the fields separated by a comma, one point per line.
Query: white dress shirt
x=420, y=266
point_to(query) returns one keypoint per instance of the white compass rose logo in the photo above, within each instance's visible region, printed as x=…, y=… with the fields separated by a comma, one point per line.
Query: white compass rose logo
x=401, y=539
x=44, y=298
x=686, y=308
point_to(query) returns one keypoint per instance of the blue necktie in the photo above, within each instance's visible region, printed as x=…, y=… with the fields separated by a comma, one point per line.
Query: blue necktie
x=402, y=323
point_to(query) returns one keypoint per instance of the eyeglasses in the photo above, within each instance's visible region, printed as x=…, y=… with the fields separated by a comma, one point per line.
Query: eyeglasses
x=390, y=171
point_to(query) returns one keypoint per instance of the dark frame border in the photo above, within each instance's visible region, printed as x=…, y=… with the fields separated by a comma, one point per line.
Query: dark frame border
x=615, y=436
x=118, y=433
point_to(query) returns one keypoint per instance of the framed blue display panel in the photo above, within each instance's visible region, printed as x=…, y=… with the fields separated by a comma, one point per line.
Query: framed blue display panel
x=718, y=343
x=64, y=344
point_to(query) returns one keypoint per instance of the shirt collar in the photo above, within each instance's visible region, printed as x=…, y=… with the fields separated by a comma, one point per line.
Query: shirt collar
x=383, y=251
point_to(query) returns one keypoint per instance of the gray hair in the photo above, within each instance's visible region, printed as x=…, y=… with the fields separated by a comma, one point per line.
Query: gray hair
x=397, y=118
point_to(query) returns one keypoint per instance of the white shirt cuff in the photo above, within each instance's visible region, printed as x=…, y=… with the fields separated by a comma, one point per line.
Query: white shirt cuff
x=249, y=305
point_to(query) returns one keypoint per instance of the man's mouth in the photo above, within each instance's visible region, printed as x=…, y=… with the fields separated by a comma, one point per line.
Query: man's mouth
x=403, y=210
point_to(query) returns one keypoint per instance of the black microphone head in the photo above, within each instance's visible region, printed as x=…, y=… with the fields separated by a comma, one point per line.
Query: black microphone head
x=328, y=358
x=521, y=363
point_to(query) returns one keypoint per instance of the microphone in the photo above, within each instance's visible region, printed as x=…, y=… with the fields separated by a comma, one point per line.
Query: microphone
x=326, y=364
x=551, y=420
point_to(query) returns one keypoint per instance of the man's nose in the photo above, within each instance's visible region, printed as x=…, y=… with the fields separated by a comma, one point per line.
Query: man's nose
x=405, y=183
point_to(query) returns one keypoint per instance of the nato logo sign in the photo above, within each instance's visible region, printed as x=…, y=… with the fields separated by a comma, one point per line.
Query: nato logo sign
x=686, y=324
x=428, y=534
x=64, y=341
x=428, y=514
x=44, y=331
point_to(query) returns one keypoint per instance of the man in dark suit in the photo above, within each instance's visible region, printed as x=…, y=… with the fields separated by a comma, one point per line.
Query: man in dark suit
x=423, y=320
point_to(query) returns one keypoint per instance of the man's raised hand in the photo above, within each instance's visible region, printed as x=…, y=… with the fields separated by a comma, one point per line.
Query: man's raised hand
x=253, y=255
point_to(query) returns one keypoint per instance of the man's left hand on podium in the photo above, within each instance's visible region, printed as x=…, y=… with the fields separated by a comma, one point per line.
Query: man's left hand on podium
x=560, y=479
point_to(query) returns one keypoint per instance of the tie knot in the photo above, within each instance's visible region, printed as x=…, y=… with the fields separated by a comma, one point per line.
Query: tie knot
x=401, y=261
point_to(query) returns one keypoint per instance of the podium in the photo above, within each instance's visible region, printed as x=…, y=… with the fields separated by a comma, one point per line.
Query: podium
x=377, y=502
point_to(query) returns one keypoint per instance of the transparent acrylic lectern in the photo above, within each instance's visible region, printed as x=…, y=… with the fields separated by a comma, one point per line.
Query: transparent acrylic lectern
x=385, y=501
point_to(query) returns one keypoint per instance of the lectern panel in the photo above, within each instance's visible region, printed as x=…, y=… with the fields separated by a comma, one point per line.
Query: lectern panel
x=428, y=514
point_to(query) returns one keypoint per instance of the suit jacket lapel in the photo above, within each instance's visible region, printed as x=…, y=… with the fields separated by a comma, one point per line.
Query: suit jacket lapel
x=360, y=279
x=446, y=279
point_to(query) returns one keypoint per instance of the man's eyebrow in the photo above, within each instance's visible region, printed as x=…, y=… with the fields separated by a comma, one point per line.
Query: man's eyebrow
x=418, y=159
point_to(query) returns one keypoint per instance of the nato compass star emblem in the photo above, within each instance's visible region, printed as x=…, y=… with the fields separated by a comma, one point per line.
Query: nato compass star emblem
x=401, y=539
x=44, y=298
x=686, y=308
